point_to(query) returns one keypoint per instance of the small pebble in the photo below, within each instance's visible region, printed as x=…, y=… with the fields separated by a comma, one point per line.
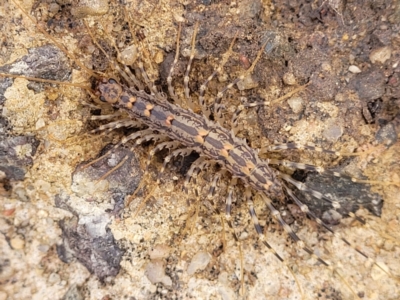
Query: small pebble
x=159, y=57
x=39, y=124
x=129, y=55
x=380, y=55
x=247, y=83
x=289, y=79
x=199, y=262
x=387, y=135
x=326, y=67
x=21, y=194
x=155, y=273
x=54, y=8
x=73, y=293
x=340, y=97
x=296, y=104
x=54, y=278
x=333, y=132
x=17, y=243
x=354, y=69
x=331, y=217
x=90, y=8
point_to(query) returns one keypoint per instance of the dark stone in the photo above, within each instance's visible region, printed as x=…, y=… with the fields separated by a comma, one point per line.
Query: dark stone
x=350, y=195
x=99, y=254
x=47, y=62
x=369, y=85
x=11, y=163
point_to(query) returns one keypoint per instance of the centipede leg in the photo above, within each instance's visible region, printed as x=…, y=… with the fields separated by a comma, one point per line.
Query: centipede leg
x=123, y=141
x=171, y=70
x=304, y=208
x=167, y=159
x=203, y=87
x=195, y=168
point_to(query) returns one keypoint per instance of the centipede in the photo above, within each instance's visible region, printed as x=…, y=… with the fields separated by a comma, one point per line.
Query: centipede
x=151, y=178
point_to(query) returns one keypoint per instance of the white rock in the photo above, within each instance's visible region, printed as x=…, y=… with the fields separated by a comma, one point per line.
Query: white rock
x=155, y=273
x=354, y=69
x=17, y=243
x=199, y=262
x=296, y=104
x=129, y=55
x=380, y=55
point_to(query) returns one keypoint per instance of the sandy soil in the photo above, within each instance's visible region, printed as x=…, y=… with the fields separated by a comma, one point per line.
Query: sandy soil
x=66, y=234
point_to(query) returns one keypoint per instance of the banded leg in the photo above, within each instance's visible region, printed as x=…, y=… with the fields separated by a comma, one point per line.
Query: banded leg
x=128, y=123
x=182, y=152
x=165, y=145
x=149, y=83
x=275, y=213
x=167, y=159
x=104, y=117
x=203, y=87
x=147, y=137
x=213, y=185
x=295, y=146
x=307, y=167
x=240, y=108
x=195, y=169
x=228, y=201
x=321, y=170
x=262, y=237
x=218, y=99
x=171, y=92
x=228, y=206
x=301, y=166
x=186, y=78
x=126, y=70
x=128, y=77
x=43, y=80
x=107, y=128
x=123, y=141
x=155, y=137
x=304, y=188
x=300, y=243
x=304, y=208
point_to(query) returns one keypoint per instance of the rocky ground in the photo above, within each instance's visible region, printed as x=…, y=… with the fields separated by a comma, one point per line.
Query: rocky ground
x=69, y=234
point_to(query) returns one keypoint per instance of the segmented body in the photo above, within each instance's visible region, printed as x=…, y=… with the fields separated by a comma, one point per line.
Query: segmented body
x=194, y=131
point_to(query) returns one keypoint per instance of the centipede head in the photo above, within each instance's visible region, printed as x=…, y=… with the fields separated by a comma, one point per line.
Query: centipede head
x=108, y=90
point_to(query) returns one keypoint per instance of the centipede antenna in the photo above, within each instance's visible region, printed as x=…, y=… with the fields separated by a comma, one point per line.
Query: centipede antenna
x=191, y=57
x=132, y=78
x=82, y=86
x=132, y=81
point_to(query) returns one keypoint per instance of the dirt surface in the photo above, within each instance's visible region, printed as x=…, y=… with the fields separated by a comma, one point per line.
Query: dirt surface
x=67, y=232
